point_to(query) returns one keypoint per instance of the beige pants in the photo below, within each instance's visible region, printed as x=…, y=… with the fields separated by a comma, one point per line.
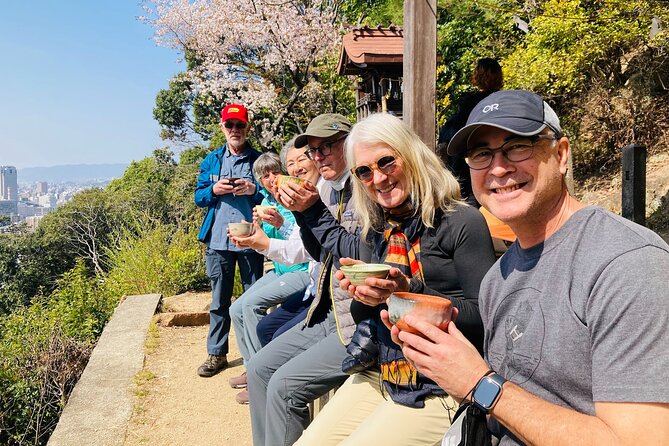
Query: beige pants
x=360, y=415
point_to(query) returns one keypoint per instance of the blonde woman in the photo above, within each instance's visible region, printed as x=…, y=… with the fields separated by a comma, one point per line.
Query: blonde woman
x=412, y=218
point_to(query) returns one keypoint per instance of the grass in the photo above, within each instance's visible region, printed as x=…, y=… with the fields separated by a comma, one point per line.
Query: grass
x=152, y=341
x=141, y=383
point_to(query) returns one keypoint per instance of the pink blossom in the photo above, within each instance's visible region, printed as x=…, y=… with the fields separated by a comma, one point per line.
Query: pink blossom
x=262, y=53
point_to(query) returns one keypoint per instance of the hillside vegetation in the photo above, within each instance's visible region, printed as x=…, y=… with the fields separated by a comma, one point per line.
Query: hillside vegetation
x=61, y=283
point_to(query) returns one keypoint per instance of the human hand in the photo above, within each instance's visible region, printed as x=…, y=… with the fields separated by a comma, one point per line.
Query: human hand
x=344, y=283
x=273, y=217
x=294, y=197
x=258, y=240
x=244, y=187
x=375, y=291
x=222, y=187
x=446, y=357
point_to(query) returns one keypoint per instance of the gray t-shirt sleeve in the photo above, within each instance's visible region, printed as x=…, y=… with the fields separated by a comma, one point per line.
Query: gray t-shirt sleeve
x=627, y=316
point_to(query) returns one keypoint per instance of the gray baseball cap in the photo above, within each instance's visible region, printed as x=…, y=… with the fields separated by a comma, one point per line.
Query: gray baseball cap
x=324, y=126
x=520, y=112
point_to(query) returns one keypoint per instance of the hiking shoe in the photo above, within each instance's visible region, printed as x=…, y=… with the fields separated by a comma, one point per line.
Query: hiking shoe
x=238, y=382
x=243, y=397
x=213, y=365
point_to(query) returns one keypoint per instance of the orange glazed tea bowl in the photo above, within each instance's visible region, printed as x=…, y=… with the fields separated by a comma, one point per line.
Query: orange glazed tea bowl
x=433, y=309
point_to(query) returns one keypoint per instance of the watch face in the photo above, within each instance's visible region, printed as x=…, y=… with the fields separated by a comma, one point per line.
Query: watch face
x=486, y=393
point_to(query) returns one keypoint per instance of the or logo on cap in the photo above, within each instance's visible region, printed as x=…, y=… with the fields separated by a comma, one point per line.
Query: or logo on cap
x=233, y=109
x=491, y=107
x=334, y=125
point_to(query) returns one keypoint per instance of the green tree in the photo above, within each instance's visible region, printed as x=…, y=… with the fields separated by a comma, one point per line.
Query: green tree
x=373, y=13
x=571, y=41
x=89, y=224
x=10, y=292
x=30, y=264
x=145, y=184
x=466, y=32
x=183, y=112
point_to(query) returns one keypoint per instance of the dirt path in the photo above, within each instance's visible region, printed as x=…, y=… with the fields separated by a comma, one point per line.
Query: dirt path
x=174, y=406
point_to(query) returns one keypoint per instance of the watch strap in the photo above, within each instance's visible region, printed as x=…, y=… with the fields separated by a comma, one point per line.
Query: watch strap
x=499, y=379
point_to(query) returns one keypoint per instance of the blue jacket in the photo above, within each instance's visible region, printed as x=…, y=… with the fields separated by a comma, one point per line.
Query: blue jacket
x=232, y=208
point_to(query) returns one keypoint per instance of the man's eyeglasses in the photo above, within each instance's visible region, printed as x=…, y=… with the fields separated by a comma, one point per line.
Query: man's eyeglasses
x=515, y=150
x=237, y=125
x=365, y=172
x=324, y=149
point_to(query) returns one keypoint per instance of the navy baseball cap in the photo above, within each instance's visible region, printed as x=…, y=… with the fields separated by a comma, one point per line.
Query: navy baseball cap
x=520, y=112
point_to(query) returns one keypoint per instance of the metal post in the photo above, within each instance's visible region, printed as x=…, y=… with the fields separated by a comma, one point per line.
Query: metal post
x=634, y=183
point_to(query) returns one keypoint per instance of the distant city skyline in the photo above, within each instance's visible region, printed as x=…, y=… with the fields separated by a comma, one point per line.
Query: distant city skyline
x=79, y=81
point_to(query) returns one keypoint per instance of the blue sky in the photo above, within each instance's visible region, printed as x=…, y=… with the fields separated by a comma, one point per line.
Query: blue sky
x=78, y=81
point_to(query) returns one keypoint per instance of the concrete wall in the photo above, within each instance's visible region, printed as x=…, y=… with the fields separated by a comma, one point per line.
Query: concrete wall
x=101, y=403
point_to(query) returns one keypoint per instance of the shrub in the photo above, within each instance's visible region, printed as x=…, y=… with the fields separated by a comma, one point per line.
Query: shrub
x=156, y=258
x=43, y=351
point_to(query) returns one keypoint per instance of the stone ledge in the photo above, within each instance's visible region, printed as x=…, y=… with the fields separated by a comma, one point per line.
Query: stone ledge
x=101, y=403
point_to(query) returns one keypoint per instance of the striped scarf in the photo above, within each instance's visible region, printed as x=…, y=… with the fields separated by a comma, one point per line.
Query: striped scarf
x=402, y=233
x=402, y=252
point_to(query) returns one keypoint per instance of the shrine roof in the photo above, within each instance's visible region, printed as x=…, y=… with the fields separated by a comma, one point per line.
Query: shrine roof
x=366, y=46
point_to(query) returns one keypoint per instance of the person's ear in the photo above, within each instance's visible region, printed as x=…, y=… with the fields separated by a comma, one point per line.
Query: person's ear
x=563, y=150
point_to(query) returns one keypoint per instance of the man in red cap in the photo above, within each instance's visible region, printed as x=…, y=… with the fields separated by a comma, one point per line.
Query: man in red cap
x=227, y=188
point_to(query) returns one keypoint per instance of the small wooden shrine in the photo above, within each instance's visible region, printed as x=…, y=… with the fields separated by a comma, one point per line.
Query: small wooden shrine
x=375, y=56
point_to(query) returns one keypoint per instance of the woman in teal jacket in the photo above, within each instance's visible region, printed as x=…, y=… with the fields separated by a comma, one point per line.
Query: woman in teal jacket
x=276, y=286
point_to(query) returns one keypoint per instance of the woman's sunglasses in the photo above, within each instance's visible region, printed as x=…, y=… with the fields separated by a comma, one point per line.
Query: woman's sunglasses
x=365, y=172
x=237, y=125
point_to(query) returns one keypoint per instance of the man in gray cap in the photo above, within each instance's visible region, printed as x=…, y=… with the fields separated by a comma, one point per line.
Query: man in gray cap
x=305, y=362
x=575, y=312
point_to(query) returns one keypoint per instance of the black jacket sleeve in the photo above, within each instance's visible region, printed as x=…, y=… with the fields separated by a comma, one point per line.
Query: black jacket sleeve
x=328, y=232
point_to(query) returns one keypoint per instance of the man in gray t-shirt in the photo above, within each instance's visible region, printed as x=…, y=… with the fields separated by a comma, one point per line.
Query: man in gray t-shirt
x=575, y=313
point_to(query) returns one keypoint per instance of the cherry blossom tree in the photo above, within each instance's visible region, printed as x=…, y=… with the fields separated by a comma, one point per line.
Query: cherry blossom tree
x=267, y=54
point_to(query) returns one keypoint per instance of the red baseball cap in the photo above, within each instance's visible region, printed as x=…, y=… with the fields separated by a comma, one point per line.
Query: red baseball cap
x=235, y=111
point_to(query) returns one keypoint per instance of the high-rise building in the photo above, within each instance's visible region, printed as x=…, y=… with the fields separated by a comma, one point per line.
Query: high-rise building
x=42, y=187
x=9, y=187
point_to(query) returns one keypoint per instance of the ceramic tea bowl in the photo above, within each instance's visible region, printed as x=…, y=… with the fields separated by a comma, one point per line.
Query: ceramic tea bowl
x=283, y=179
x=261, y=209
x=240, y=229
x=359, y=272
x=435, y=310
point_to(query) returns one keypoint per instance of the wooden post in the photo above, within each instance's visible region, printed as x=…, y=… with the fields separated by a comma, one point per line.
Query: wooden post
x=420, y=68
x=634, y=183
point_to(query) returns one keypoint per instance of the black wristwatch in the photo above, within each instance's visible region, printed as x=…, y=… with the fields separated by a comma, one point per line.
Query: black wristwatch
x=487, y=392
